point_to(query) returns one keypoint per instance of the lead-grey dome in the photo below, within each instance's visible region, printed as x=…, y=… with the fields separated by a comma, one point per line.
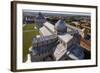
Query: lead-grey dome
x=40, y=16
x=60, y=26
x=40, y=19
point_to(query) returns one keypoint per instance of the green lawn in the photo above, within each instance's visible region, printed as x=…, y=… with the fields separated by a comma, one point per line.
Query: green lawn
x=28, y=32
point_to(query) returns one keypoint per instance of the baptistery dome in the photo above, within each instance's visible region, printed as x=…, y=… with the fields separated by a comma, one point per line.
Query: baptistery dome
x=40, y=16
x=40, y=19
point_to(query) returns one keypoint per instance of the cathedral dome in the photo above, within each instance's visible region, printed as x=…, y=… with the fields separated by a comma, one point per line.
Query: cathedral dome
x=60, y=26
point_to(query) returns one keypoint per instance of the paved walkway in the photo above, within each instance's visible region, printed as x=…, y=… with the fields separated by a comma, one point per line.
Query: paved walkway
x=28, y=30
x=28, y=56
x=24, y=25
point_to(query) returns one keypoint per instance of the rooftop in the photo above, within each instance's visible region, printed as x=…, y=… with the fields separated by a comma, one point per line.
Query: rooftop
x=49, y=26
x=65, y=38
x=45, y=31
x=72, y=27
x=59, y=51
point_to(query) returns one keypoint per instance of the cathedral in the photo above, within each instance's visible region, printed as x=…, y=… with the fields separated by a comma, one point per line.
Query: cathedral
x=56, y=42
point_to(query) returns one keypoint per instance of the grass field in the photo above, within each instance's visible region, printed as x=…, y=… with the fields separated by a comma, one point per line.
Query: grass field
x=28, y=32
